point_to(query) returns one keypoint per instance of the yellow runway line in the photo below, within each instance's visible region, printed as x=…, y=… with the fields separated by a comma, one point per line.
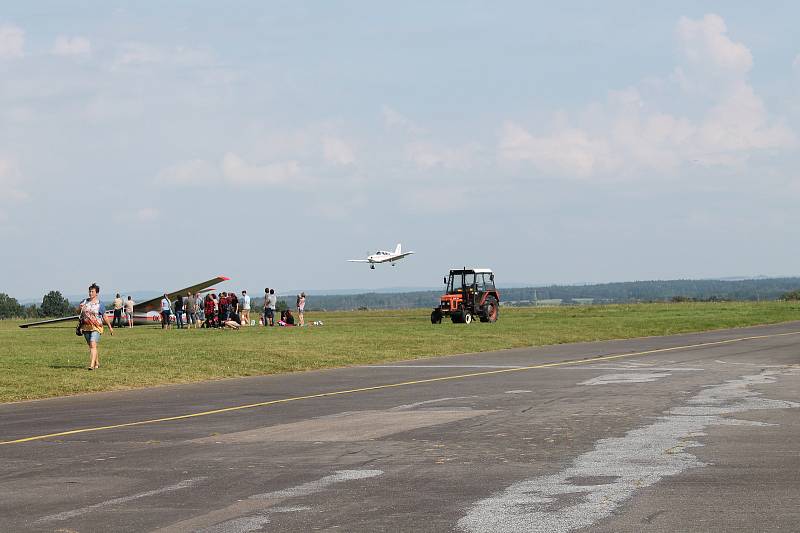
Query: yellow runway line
x=391, y=385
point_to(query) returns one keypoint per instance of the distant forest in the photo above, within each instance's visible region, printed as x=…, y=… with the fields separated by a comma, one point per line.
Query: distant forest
x=603, y=293
x=55, y=305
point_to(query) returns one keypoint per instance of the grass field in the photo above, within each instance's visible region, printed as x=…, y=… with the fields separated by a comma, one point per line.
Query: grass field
x=51, y=361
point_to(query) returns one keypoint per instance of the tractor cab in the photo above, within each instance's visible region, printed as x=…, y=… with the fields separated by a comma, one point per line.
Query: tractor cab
x=469, y=293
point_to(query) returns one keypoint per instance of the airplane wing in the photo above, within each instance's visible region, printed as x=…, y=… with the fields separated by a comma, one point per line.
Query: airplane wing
x=358, y=260
x=400, y=256
x=51, y=321
x=147, y=305
x=154, y=304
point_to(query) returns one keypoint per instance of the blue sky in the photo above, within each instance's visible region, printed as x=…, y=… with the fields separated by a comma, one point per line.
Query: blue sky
x=150, y=145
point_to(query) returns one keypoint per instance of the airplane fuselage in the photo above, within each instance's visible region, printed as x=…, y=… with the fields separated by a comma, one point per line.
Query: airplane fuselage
x=381, y=256
x=145, y=318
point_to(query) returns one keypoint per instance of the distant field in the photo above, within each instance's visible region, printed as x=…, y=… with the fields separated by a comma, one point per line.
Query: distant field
x=43, y=362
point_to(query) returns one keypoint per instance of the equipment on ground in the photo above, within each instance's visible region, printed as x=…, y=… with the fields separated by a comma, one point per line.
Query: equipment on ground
x=470, y=294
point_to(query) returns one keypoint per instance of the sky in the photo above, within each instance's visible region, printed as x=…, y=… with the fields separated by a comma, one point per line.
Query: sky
x=150, y=145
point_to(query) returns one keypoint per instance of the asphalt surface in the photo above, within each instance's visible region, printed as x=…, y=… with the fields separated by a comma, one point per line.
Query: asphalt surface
x=685, y=433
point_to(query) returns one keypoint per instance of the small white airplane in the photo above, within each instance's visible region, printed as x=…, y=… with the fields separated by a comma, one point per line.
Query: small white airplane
x=382, y=256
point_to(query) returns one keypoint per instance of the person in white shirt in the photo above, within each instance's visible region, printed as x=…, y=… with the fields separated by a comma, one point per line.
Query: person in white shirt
x=245, y=308
x=272, y=302
x=166, y=311
x=129, y=303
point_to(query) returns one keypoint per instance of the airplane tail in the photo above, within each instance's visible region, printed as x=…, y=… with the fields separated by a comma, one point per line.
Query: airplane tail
x=397, y=250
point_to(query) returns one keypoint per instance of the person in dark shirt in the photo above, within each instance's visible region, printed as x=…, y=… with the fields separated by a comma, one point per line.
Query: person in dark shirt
x=234, y=302
x=178, y=307
x=224, y=308
x=209, y=311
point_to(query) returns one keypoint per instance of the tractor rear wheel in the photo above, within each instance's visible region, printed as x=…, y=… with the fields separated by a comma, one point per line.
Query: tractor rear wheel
x=467, y=318
x=490, y=310
x=457, y=317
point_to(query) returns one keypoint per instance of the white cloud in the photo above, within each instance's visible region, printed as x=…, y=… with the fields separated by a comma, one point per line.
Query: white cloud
x=394, y=120
x=147, y=214
x=237, y=170
x=136, y=54
x=705, y=45
x=740, y=122
x=233, y=170
x=194, y=172
x=429, y=155
x=337, y=151
x=629, y=137
x=10, y=176
x=12, y=41
x=568, y=151
x=114, y=107
x=72, y=46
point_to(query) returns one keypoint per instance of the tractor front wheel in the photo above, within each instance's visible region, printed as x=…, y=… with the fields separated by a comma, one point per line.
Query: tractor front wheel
x=436, y=316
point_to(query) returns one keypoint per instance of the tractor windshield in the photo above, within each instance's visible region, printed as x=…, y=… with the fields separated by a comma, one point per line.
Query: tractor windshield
x=455, y=282
x=459, y=280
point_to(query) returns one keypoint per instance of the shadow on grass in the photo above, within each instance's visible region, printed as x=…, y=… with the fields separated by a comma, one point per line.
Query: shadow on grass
x=66, y=366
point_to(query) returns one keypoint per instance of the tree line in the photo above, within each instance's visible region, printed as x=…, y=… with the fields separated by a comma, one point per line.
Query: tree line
x=53, y=305
x=600, y=293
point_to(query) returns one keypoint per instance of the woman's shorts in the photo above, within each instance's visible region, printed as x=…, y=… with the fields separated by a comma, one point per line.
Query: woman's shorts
x=91, y=336
x=128, y=316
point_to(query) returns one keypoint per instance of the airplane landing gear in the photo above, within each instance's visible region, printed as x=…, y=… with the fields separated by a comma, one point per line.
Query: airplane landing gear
x=372, y=267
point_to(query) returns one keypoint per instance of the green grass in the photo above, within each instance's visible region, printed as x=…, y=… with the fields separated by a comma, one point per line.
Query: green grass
x=51, y=361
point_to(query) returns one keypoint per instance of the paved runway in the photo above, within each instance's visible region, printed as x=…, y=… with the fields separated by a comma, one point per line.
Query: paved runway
x=686, y=433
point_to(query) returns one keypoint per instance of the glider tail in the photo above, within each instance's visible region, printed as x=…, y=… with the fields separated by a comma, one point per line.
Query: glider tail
x=397, y=250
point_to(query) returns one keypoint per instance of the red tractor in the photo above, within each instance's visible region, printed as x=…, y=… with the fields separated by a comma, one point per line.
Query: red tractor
x=470, y=294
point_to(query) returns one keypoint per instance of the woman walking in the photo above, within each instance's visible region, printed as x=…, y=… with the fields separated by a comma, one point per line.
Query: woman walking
x=92, y=314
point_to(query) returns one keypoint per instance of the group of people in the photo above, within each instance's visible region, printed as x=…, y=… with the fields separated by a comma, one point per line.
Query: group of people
x=121, y=306
x=286, y=318
x=227, y=310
